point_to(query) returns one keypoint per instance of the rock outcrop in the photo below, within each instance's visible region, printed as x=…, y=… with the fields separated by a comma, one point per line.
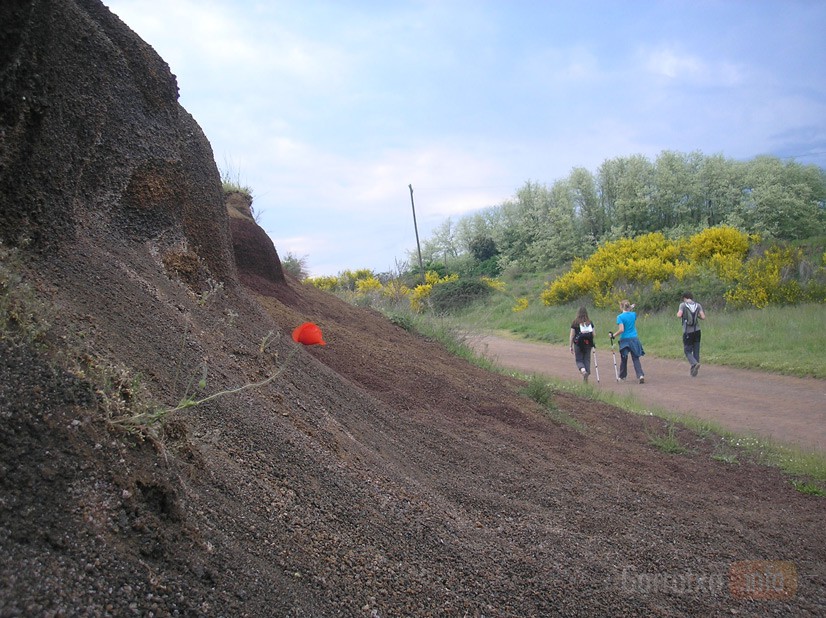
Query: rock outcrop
x=94, y=140
x=256, y=258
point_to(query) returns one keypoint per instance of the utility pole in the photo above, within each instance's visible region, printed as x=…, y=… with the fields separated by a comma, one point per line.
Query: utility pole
x=415, y=227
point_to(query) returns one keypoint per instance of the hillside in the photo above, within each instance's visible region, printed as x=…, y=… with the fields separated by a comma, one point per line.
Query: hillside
x=375, y=476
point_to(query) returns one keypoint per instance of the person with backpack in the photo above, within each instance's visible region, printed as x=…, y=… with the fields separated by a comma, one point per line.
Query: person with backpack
x=581, y=341
x=629, y=342
x=691, y=313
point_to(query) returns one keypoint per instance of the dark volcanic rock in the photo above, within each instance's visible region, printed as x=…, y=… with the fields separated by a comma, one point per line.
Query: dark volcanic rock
x=94, y=139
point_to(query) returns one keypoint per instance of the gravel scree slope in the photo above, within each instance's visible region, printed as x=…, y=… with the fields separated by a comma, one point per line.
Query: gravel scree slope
x=374, y=476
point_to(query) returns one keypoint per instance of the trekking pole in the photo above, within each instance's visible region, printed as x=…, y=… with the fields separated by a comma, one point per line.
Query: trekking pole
x=596, y=367
x=616, y=371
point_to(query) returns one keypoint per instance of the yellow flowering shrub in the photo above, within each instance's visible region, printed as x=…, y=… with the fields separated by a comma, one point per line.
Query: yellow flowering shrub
x=419, y=295
x=521, y=305
x=367, y=285
x=496, y=284
x=683, y=270
x=728, y=267
x=765, y=281
x=722, y=240
x=327, y=284
x=653, y=260
x=646, y=259
x=395, y=290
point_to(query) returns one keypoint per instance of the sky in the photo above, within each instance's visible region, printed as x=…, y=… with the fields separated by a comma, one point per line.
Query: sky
x=330, y=110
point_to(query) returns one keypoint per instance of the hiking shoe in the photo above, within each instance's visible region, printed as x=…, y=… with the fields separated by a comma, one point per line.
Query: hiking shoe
x=642, y=379
x=694, y=369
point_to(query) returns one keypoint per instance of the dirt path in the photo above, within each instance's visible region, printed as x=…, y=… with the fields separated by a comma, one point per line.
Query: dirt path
x=787, y=409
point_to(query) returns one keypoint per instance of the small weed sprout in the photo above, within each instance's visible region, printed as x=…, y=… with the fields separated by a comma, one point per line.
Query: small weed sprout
x=231, y=180
x=21, y=311
x=540, y=391
x=729, y=458
x=725, y=453
x=668, y=443
x=810, y=489
x=543, y=393
x=143, y=421
x=215, y=287
x=265, y=342
x=231, y=317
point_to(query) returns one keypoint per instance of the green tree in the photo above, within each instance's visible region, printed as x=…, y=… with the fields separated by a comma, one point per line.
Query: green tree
x=783, y=201
x=441, y=246
x=521, y=223
x=634, y=203
x=295, y=266
x=677, y=199
x=483, y=248
x=608, y=190
x=559, y=236
x=721, y=188
x=587, y=205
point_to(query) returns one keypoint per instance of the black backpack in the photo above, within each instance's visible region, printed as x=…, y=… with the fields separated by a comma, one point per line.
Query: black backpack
x=584, y=340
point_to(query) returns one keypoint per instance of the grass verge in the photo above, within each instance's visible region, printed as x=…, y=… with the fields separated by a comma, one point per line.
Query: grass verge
x=778, y=339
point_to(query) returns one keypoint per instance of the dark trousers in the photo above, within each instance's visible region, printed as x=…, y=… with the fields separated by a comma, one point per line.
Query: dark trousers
x=691, y=347
x=583, y=358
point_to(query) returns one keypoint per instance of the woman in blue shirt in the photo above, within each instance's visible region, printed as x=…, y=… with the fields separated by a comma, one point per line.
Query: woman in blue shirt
x=629, y=342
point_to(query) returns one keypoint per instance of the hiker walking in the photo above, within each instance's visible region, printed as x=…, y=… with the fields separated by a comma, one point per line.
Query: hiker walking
x=581, y=341
x=629, y=342
x=691, y=313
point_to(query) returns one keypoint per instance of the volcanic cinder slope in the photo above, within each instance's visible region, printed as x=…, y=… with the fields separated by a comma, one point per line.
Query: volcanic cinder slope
x=374, y=476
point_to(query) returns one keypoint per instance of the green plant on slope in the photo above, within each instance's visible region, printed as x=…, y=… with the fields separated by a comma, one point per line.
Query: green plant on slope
x=231, y=181
x=668, y=443
x=810, y=489
x=542, y=393
x=21, y=312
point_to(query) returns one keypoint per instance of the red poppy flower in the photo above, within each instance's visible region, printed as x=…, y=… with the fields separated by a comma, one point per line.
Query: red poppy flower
x=308, y=334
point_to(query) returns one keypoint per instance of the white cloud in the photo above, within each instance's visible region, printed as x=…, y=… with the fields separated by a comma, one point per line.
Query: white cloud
x=687, y=69
x=670, y=64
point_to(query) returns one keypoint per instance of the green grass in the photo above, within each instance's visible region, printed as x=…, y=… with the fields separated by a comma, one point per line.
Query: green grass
x=542, y=392
x=809, y=489
x=231, y=181
x=790, y=339
x=667, y=443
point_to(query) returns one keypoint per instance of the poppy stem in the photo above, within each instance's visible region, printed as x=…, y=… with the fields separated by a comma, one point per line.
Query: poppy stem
x=189, y=403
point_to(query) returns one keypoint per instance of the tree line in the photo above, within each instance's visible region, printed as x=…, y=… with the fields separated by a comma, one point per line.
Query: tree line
x=678, y=194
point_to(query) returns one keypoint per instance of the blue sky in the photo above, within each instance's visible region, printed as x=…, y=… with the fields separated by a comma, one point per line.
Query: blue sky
x=329, y=110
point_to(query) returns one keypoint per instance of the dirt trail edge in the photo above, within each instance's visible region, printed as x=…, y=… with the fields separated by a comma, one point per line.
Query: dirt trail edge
x=786, y=409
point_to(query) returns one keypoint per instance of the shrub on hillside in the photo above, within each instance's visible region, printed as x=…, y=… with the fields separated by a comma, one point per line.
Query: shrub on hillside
x=723, y=240
x=453, y=295
x=714, y=264
x=328, y=283
x=420, y=295
x=768, y=280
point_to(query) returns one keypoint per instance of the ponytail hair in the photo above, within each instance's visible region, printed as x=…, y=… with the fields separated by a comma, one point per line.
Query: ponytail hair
x=626, y=305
